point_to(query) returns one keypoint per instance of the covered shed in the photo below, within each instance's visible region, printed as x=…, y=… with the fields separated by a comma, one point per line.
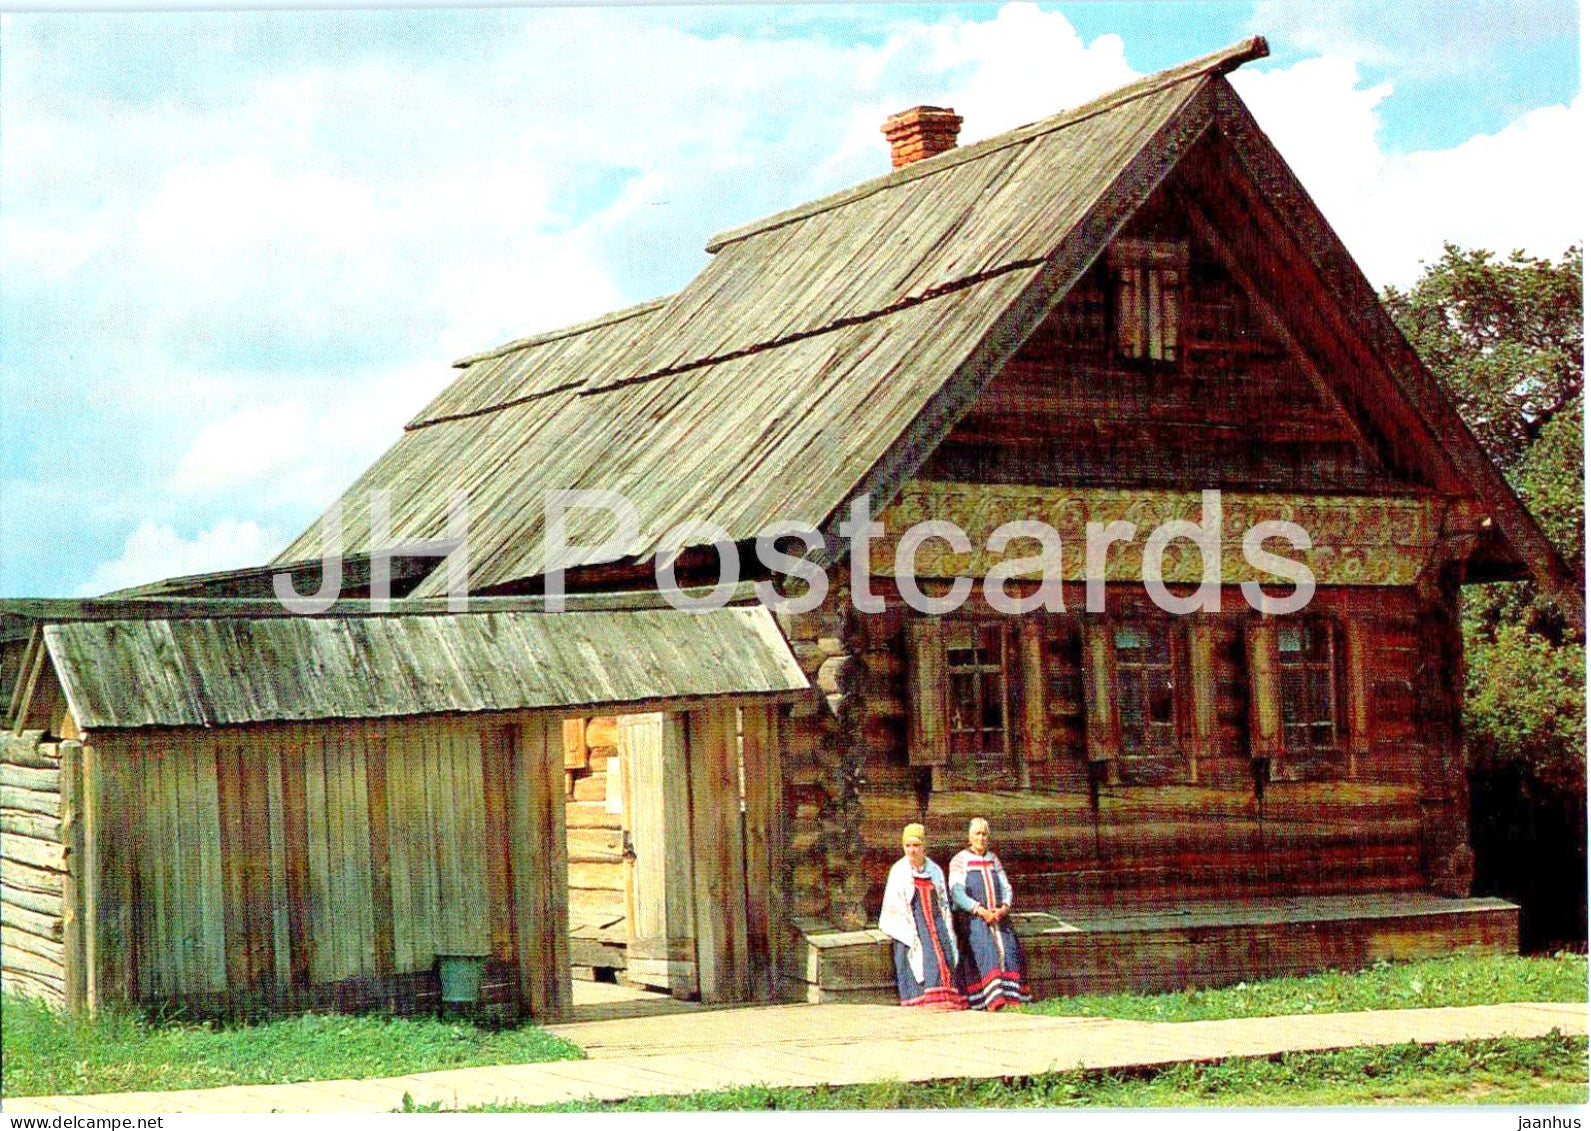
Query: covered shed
x=214, y=806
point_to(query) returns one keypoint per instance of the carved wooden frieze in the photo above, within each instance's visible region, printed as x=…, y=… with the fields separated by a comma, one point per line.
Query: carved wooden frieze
x=1354, y=540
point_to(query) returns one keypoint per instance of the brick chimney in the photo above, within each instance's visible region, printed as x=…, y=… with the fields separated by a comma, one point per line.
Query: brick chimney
x=922, y=131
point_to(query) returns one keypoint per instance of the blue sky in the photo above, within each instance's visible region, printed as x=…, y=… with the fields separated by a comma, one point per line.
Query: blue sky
x=239, y=249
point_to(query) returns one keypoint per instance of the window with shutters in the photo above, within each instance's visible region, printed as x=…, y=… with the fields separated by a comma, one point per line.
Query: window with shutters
x=1306, y=654
x=1149, y=277
x=1146, y=688
x=976, y=662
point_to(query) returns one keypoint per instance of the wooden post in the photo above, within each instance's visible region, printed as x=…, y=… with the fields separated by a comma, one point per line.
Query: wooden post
x=928, y=737
x=662, y=807
x=73, y=927
x=719, y=877
x=766, y=913
x=1204, y=678
x=109, y=847
x=540, y=867
x=1099, y=695
x=1265, y=694
x=1358, y=678
x=1035, y=701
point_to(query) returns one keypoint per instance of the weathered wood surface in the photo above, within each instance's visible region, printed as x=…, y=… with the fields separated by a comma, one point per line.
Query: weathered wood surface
x=718, y=877
x=203, y=672
x=662, y=952
x=33, y=864
x=540, y=892
x=1171, y=947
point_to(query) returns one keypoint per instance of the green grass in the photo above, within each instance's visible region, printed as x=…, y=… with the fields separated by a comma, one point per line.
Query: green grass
x=1485, y=980
x=1547, y=1070
x=48, y=1053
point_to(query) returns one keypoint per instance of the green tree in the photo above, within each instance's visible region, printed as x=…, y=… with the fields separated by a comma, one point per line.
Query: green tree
x=1505, y=337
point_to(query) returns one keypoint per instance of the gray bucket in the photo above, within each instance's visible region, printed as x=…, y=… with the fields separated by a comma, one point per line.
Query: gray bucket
x=461, y=976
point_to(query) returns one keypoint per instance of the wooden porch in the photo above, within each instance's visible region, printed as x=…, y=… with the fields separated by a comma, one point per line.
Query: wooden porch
x=1162, y=949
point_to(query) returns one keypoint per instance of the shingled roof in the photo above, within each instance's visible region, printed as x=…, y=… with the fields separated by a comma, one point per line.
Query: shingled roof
x=825, y=350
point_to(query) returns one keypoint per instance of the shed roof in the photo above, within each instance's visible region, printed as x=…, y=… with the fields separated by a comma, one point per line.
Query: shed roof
x=233, y=669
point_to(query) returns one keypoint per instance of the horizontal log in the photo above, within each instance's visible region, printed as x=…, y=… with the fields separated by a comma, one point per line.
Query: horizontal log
x=590, y=815
x=31, y=777
x=14, y=940
x=32, y=851
x=602, y=731
x=27, y=961
x=26, y=750
x=595, y=846
x=24, y=823
x=39, y=801
x=17, y=876
x=22, y=919
x=51, y=991
x=44, y=902
x=596, y=877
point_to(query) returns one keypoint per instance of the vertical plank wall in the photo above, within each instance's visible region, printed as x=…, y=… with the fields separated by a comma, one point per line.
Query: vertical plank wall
x=322, y=865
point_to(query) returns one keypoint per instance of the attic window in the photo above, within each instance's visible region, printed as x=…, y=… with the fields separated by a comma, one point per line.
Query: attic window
x=1149, y=277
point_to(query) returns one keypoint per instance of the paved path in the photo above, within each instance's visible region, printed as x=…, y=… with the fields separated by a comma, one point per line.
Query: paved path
x=839, y=1044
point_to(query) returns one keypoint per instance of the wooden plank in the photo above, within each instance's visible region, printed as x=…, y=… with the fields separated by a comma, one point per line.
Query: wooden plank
x=495, y=744
x=1099, y=696
x=295, y=851
x=360, y=843
x=1265, y=705
x=1357, y=671
x=276, y=835
x=401, y=849
x=1035, y=728
x=257, y=870
x=22, y=823
x=765, y=832
x=541, y=914
x=325, y=961
x=470, y=803
x=1204, y=686
x=108, y=877
x=718, y=871
x=927, y=741
x=230, y=802
x=380, y=849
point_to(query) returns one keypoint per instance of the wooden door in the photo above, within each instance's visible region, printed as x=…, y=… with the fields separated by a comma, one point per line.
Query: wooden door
x=662, y=946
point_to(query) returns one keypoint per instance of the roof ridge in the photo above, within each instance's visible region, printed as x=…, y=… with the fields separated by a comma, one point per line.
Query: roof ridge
x=601, y=320
x=1216, y=63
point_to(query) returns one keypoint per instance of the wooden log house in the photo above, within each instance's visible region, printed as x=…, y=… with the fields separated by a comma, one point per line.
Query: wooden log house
x=1093, y=318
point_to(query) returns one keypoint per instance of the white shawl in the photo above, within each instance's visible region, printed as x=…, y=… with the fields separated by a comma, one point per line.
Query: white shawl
x=895, y=916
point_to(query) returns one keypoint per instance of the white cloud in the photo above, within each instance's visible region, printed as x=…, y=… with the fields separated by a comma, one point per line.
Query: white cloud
x=239, y=261
x=1522, y=187
x=1423, y=37
x=155, y=550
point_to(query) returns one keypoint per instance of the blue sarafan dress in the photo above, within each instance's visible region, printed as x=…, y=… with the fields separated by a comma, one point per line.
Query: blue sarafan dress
x=992, y=970
x=916, y=915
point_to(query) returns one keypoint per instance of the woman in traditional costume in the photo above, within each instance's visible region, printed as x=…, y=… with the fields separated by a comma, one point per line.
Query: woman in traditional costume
x=916, y=914
x=992, y=970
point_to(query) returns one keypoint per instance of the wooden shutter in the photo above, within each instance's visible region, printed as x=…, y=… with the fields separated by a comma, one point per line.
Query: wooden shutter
x=1265, y=693
x=1204, y=684
x=1034, y=739
x=927, y=739
x=1356, y=678
x=1099, y=691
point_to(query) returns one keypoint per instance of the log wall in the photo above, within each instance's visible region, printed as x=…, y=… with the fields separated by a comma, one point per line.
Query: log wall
x=271, y=868
x=33, y=867
x=1384, y=812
